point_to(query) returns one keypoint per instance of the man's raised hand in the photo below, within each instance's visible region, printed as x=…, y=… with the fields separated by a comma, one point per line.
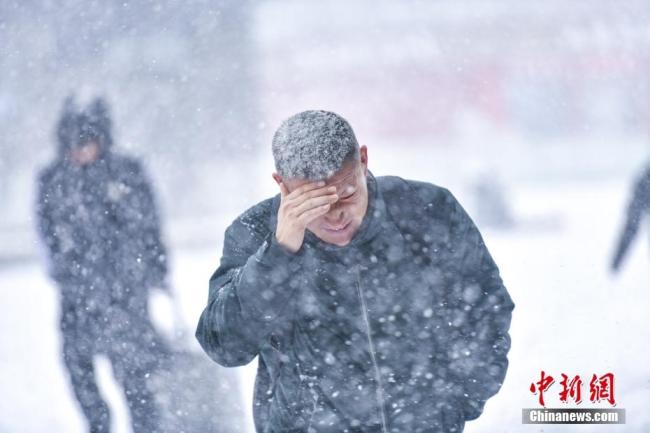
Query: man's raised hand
x=300, y=207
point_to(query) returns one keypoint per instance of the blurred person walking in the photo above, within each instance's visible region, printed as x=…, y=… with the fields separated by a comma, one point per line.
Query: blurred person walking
x=98, y=219
x=637, y=209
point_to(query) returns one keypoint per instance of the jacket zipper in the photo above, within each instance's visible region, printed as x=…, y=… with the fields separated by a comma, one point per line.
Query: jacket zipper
x=380, y=392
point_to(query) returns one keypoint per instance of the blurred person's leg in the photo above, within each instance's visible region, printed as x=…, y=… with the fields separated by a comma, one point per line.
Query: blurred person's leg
x=78, y=351
x=145, y=416
x=136, y=354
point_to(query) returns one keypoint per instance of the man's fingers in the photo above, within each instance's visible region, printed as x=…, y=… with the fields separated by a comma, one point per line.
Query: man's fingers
x=305, y=188
x=311, y=203
x=307, y=217
x=318, y=192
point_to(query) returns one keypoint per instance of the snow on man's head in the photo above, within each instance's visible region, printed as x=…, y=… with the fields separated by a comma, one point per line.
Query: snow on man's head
x=313, y=145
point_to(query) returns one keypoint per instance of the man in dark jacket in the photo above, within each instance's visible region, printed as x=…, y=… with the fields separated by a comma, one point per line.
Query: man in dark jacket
x=372, y=302
x=636, y=210
x=98, y=220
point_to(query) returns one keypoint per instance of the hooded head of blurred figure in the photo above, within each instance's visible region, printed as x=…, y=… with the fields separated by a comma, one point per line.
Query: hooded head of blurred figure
x=67, y=127
x=85, y=136
x=99, y=117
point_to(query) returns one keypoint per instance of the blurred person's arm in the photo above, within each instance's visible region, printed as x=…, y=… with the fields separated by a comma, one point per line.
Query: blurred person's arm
x=637, y=207
x=57, y=241
x=143, y=223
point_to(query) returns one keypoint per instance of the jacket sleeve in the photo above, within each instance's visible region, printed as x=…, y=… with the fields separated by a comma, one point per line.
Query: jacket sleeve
x=140, y=219
x=248, y=295
x=57, y=241
x=480, y=313
x=637, y=206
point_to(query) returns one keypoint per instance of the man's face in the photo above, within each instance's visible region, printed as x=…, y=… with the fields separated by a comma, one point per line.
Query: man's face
x=344, y=218
x=86, y=153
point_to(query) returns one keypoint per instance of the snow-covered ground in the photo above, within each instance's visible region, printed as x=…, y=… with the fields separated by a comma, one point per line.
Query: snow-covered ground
x=570, y=317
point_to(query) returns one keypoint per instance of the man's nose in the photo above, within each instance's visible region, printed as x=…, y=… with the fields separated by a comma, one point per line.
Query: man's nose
x=335, y=214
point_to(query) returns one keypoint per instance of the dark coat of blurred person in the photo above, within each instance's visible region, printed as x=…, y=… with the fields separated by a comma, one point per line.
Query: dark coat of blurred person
x=637, y=209
x=98, y=219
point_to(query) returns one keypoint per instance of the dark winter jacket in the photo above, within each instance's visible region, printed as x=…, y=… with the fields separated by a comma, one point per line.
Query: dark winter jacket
x=101, y=229
x=637, y=209
x=405, y=329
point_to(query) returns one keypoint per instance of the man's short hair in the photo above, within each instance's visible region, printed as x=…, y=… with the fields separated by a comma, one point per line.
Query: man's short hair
x=313, y=145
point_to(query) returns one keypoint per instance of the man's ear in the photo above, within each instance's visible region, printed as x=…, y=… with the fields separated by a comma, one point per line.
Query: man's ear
x=363, y=158
x=277, y=178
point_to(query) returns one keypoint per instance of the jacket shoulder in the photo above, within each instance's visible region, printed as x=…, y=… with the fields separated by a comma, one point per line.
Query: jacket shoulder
x=415, y=192
x=644, y=176
x=255, y=221
x=126, y=163
x=49, y=173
